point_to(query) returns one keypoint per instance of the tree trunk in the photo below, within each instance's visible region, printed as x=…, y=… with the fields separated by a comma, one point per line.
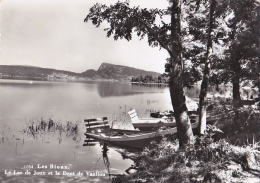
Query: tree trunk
x=236, y=85
x=203, y=100
x=205, y=79
x=184, y=129
x=235, y=67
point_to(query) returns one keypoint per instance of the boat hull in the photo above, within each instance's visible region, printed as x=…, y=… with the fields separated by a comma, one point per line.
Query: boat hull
x=150, y=124
x=134, y=140
x=138, y=144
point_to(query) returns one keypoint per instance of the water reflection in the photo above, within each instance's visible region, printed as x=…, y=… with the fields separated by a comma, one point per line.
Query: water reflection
x=33, y=151
x=110, y=89
x=125, y=153
x=106, y=89
x=90, y=142
x=151, y=85
x=105, y=158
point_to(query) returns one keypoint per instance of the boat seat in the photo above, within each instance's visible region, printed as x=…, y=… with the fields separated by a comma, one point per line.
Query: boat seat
x=133, y=116
x=96, y=124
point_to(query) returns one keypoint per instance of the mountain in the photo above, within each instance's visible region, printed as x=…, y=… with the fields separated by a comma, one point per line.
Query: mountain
x=105, y=72
x=117, y=72
x=33, y=72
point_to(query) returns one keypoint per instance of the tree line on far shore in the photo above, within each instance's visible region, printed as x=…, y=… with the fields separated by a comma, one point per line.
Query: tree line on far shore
x=162, y=79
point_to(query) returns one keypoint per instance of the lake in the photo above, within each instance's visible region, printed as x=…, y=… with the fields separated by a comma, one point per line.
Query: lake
x=59, y=155
x=23, y=102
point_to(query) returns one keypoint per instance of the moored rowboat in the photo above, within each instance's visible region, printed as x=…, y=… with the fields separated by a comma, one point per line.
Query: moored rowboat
x=138, y=140
x=165, y=121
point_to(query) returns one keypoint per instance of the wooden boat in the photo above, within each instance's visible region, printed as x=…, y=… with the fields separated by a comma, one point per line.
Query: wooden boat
x=211, y=118
x=167, y=120
x=128, y=138
x=150, y=122
x=138, y=140
x=169, y=114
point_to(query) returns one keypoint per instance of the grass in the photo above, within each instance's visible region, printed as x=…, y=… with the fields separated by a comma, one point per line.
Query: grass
x=232, y=157
x=241, y=126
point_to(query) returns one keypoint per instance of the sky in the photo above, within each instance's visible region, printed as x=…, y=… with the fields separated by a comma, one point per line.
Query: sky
x=53, y=34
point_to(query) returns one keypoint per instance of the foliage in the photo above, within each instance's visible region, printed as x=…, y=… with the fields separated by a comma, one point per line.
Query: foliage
x=185, y=38
x=123, y=20
x=209, y=158
x=235, y=26
x=240, y=125
x=163, y=162
x=241, y=37
x=186, y=47
x=146, y=23
x=150, y=79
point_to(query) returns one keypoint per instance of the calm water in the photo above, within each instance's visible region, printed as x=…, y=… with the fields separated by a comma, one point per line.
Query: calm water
x=23, y=102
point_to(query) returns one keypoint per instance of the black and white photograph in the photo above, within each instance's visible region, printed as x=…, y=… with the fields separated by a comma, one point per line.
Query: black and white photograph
x=118, y=91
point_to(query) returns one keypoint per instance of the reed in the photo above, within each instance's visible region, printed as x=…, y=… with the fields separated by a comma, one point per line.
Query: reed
x=41, y=128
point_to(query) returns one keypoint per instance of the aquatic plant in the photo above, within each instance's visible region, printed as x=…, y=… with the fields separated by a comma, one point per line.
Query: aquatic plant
x=40, y=128
x=5, y=133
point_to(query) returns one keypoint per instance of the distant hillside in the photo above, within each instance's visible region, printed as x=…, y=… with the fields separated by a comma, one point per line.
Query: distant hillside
x=34, y=72
x=117, y=72
x=105, y=71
